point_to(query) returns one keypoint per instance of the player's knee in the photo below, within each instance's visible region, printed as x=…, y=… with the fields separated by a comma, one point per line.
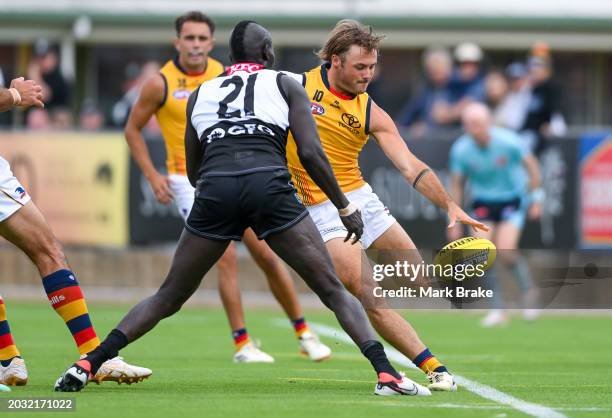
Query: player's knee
x=267, y=261
x=228, y=260
x=334, y=293
x=49, y=256
x=169, y=303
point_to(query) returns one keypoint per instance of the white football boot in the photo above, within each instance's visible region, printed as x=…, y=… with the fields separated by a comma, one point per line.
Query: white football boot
x=15, y=374
x=390, y=386
x=117, y=370
x=495, y=318
x=442, y=381
x=313, y=348
x=251, y=354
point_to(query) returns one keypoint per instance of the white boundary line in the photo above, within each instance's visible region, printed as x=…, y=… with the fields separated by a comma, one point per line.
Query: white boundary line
x=477, y=388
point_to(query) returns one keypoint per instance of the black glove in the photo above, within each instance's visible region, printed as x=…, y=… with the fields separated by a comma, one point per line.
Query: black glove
x=354, y=225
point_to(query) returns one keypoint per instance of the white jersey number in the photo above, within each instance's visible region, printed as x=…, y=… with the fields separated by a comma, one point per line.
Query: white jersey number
x=249, y=97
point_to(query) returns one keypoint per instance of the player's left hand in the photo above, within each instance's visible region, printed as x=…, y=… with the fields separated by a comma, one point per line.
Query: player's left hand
x=456, y=214
x=30, y=92
x=354, y=225
x=535, y=211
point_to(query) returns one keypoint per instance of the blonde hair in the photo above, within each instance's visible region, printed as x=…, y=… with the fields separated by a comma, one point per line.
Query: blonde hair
x=345, y=34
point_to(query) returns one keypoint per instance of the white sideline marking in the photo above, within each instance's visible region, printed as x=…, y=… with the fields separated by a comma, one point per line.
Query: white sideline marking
x=461, y=406
x=477, y=388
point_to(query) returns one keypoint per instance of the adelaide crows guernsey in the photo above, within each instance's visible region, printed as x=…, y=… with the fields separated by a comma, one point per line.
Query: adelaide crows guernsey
x=171, y=113
x=242, y=120
x=343, y=124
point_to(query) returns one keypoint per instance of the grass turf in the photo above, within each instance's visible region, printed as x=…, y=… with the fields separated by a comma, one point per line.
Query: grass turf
x=562, y=362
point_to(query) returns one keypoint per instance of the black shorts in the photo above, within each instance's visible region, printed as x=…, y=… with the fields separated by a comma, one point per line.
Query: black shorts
x=225, y=206
x=496, y=211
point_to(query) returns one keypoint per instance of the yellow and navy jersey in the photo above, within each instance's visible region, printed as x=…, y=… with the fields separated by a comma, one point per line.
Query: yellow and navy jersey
x=171, y=114
x=343, y=124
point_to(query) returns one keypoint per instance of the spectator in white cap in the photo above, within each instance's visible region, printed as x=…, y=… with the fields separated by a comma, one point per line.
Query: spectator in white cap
x=466, y=85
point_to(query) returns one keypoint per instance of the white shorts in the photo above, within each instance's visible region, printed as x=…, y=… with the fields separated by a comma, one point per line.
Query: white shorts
x=12, y=194
x=376, y=216
x=183, y=193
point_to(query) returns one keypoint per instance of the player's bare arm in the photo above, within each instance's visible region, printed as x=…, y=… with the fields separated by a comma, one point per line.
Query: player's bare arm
x=193, y=147
x=456, y=192
x=149, y=100
x=415, y=171
x=24, y=93
x=537, y=194
x=313, y=157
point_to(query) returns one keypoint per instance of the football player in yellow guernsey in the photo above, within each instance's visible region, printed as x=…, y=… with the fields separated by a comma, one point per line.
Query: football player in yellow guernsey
x=346, y=116
x=165, y=96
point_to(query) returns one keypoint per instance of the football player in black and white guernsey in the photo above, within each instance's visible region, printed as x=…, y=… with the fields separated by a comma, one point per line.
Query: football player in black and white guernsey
x=235, y=144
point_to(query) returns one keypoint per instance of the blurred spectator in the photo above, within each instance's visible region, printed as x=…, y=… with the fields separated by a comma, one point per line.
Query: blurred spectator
x=543, y=118
x=5, y=117
x=44, y=69
x=466, y=85
x=91, y=119
x=417, y=113
x=496, y=89
x=512, y=110
x=38, y=120
x=136, y=78
x=61, y=118
x=540, y=49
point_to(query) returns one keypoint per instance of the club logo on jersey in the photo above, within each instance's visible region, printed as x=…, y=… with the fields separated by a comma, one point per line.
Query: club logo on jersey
x=335, y=104
x=351, y=123
x=181, y=94
x=21, y=192
x=316, y=109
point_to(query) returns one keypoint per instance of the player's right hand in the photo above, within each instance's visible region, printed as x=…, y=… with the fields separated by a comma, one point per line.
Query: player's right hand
x=30, y=92
x=161, y=188
x=354, y=225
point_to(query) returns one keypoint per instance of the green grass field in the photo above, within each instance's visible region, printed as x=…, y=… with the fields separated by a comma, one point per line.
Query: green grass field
x=560, y=362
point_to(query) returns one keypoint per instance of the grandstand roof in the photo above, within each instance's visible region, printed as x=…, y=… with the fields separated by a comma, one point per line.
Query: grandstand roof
x=412, y=23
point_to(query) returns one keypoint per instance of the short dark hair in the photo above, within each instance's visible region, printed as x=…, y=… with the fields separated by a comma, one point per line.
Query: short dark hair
x=193, y=16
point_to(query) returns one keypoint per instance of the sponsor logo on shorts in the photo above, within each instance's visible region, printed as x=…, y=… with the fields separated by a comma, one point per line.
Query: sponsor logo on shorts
x=317, y=109
x=21, y=192
x=332, y=229
x=181, y=94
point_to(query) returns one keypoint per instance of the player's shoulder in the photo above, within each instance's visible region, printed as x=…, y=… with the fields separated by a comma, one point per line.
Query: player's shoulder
x=462, y=144
x=168, y=66
x=215, y=67
x=155, y=87
x=299, y=77
x=506, y=136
